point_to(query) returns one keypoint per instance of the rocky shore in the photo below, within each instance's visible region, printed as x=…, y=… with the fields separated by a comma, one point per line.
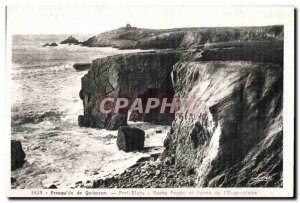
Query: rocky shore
x=234, y=75
x=147, y=174
x=50, y=45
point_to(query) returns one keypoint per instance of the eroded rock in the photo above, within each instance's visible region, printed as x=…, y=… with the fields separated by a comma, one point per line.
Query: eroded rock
x=13, y=180
x=82, y=66
x=52, y=187
x=17, y=155
x=239, y=111
x=126, y=76
x=236, y=127
x=70, y=40
x=53, y=44
x=130, y=139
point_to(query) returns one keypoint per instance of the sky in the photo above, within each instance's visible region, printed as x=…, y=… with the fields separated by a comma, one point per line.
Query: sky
x=91, y=19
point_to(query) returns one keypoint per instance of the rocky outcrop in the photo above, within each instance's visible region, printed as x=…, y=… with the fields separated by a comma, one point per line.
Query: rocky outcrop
x=52, y=187
x=53, y=44
x=138, y=38
x=126, y=76
x=70, y=40
x=234, y=135
x=50, y=45
x=17, y=155
x=82, y=66
x=232, y=138
x=130, y=139
x=13, y=180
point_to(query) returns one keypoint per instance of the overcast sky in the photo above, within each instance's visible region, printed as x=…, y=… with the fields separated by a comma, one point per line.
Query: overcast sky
x=96, y=19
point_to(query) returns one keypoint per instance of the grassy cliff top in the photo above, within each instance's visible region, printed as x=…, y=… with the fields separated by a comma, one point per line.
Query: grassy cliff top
x=132, y=37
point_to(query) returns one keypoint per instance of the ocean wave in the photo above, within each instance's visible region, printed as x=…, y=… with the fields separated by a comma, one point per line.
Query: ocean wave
x=31, y=72
x=21, y=119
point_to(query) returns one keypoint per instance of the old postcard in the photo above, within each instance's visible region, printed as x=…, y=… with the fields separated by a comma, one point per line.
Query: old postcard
x=141, y=101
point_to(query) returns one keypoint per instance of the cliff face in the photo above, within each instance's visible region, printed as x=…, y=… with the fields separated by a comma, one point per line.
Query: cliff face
x=126, y=76
x=234, y=136
x=139, y=38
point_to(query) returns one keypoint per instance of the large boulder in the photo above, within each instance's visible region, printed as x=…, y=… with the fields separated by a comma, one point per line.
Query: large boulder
x=17, y=155
x=130, y=138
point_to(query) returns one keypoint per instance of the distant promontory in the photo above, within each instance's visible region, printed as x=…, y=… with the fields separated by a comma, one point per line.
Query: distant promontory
x=129, y=37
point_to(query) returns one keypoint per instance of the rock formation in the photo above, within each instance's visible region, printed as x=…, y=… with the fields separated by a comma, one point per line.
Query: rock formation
x=139, y=38
x=13, y=180
x=130, y=139
x=52, y=187
x=233, y=136
x=50, y=45
x=82, y=66
x=236, y=130
x=70, y=40
x=17, y=155
x=126, y=76
x=53, y=44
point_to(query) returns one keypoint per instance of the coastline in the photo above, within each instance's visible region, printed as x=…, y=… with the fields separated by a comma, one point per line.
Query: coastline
x=44, y=117
x=184, y=72
x=147, y=174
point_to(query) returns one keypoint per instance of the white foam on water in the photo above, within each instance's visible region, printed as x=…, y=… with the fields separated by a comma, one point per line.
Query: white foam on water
x=45, y=109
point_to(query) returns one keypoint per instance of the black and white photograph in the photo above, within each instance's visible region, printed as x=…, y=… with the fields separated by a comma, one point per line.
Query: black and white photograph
x=164, y=101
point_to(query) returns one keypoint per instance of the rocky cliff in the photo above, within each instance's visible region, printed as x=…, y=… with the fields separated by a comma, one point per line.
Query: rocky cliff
x=233, y=137
x=126, y=76
x=140, y=38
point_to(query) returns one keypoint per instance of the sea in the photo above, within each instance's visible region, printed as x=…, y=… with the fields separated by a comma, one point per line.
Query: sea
x=45, y=105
